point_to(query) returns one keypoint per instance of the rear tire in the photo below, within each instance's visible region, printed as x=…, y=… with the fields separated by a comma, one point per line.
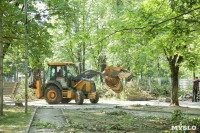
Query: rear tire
x=79, y=98
x=96, y=99
x=53, y=95
x=66, y=100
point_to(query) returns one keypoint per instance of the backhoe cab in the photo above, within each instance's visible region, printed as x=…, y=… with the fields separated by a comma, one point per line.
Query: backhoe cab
x=62, y=85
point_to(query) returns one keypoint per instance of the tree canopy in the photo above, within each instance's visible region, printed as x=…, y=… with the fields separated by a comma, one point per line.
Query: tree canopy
x=149, y=37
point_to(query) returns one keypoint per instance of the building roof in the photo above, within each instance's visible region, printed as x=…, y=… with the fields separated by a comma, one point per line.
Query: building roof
x=60, y=63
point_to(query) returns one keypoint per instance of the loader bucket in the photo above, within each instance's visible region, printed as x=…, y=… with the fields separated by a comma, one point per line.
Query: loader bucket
x=112, y=77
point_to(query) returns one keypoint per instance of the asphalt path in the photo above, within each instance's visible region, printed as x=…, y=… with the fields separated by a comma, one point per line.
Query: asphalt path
x=105, y=104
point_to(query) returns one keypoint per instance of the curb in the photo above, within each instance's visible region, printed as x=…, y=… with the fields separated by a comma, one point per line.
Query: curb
x=31, y=121
x=65, y=116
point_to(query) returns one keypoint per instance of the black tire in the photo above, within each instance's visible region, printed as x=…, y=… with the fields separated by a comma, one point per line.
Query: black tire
x=79, y=98
x=66, y=100
x=96, y=99
x=53, y=95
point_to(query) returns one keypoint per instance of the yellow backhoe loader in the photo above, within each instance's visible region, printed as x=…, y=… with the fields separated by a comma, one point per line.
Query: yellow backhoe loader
x=63, y=83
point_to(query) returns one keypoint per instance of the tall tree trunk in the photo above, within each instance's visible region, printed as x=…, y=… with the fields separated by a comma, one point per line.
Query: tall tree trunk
x=83, y=56
x=128, y=66
x=79, y=58
x=26, y=58
x=194, y=75
x=100, y=67
x=141, y=73
x=44, y=77
x=17, y=67
x=174, y=76
x=1, y=67
x=83, y=44
x=17, y=72
x=174, y=62
x=159, y=80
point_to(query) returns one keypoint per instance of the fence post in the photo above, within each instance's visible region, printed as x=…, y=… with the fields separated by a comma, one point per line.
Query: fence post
x=137, y=80
x=159, y=81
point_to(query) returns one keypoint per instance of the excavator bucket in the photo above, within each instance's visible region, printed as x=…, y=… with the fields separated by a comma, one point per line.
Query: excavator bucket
x=112, y=77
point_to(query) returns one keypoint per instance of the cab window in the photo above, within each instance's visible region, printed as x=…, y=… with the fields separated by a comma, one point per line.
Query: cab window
x=61, y=72
x=71, y=70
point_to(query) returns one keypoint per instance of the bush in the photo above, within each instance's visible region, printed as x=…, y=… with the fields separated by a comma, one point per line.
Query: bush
x=179, y=118
x=161, y=91
x=156, y=90
x=20, y=94
x=133, y=93
x=192, y=122
x=177, y=115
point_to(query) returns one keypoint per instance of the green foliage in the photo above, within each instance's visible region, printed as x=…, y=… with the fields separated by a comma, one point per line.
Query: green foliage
x=6, y=69
x=116, y=113
x=192, y=122
x=13, y=30
x=182, y=5
x=136, y=105
x=177, y=115
x=43, y=124
x=160, y=91
x=179, y=118
x=148, y=37
x=127, y=120
x=123, y=95
x=20, y=94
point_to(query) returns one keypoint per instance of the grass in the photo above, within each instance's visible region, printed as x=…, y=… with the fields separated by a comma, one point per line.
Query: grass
x=14, y=119
x=113, y=121
x=44, y=124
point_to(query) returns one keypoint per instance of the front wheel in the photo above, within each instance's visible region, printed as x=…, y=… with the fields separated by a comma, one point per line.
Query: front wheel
x=79, y=98
x=96, y=99
x=53, y=95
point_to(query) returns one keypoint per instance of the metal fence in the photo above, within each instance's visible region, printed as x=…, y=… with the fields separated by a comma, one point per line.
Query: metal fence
x=151, y=82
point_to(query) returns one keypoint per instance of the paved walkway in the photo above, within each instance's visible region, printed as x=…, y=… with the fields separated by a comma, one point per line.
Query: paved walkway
x=112, y=103
x=46, y=120
x=105, y=104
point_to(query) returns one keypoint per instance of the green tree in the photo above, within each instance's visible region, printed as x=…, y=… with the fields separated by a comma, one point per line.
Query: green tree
x=169, y=31
x=12, y=34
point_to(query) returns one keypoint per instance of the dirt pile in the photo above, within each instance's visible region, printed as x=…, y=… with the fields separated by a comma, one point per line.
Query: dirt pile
x=130, y=93
x=135, y=94
x=186, y=96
